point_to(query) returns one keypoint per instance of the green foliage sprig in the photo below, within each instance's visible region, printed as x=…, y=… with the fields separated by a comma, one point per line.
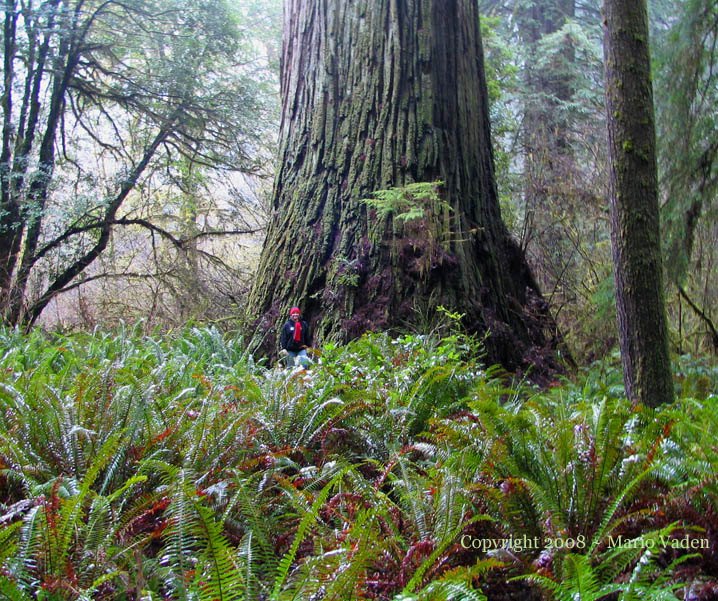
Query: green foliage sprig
x=408, y=203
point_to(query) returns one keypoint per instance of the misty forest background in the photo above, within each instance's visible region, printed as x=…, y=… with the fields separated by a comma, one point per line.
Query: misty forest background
x=150, y=448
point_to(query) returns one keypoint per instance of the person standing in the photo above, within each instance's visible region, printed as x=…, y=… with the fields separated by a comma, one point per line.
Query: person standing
x=295, y=339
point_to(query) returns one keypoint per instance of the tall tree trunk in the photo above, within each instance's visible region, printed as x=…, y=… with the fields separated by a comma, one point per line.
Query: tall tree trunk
x=634, y=204
x=10, y=230
x=64, y=68
x=16, y=160
x=378, y=95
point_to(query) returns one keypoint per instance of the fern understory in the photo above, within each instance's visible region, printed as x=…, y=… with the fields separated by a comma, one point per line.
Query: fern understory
x=136, y=467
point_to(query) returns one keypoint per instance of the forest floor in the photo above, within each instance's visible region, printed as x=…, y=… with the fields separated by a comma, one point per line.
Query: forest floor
x=156, y=467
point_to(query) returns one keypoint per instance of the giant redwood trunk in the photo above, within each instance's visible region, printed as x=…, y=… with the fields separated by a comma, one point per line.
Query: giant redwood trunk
x=635, y=228
x=378, y=95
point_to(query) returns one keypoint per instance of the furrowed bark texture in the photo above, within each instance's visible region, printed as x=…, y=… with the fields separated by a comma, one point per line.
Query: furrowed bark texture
x=378, y=95
x=634, y=204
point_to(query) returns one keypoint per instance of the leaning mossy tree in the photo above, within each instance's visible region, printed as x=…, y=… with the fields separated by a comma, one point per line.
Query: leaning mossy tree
x=385, y=203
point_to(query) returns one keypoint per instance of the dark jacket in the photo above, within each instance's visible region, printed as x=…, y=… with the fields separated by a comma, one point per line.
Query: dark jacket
x=286, y=339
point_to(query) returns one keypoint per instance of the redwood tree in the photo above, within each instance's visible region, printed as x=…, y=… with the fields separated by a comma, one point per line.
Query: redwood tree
x=634, y=204
x=379, y=95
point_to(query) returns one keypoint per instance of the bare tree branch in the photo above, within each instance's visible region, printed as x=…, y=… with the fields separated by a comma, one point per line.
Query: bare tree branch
x=702, y=315
x=64, y=278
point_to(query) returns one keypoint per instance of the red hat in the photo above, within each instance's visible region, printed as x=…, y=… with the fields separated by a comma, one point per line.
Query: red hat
x=294, y=310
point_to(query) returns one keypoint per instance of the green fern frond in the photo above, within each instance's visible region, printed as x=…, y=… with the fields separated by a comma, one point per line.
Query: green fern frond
x=651, y=581
x=577, y=581
x=221, y=578
x=317, y=419
x=439, y=550
x=8, y=540
x=447, y=590
x=30, y=552
x=71, y=513
x=472, y=572
x=444, y=590
x=254, y=588
x=382, y=506
x=8, y=548
x=181, y=539
x=257, y=545
x=11, y=591
x=348, y=567
x=309, y=519
x=606, y=524
x=434, y=394
x=98, y=530
x=450, y=507
x=411, y=488
x=639, y=558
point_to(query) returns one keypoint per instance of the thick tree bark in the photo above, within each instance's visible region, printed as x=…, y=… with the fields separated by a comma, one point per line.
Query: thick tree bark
x=379, y=95
x=634, y=204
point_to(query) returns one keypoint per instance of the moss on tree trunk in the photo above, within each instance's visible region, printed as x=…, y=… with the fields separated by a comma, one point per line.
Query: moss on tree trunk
x=378, y=95
x=634, y=204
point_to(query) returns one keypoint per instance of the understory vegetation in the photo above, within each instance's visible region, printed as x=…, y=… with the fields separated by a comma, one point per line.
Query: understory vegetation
x=177, y=467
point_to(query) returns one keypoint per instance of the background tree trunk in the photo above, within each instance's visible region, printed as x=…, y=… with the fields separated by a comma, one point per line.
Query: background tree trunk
x=547, y=155
x=379, y=95
x=545, y=125
x=550, y=175
x=634, y=204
